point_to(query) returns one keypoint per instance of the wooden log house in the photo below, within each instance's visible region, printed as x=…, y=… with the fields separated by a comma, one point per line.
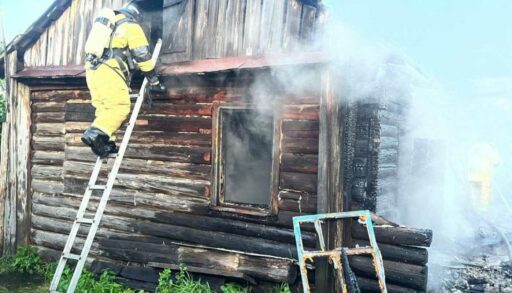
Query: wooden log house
x=250, y=133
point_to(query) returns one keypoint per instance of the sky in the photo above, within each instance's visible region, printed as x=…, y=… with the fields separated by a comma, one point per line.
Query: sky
x=464, y=44
x=18, y=15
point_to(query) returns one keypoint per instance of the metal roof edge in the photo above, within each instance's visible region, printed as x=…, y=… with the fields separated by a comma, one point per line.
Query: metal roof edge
x=190, y=67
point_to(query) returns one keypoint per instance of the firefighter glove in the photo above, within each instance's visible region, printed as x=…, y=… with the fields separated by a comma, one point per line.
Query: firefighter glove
x=154, y=83
x=157, y=88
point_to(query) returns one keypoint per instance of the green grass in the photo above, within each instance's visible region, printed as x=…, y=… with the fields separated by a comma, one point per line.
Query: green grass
x=235, y=288
x=29, y=263
x=34, y=276
x=283, y=288
x=182, y=283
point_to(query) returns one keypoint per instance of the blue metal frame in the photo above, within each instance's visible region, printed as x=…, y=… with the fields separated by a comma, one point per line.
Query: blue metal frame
x=364, y=216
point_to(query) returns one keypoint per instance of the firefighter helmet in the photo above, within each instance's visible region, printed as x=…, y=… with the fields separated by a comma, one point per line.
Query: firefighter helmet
x=132, y=10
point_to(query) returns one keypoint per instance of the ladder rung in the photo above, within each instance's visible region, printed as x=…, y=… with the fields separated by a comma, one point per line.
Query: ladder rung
x=350, y=251
x=134, y=96
x=97, y=187
x=321, y=253
x=71, y=256
x=85, y=221
x=112, y=156
x=360, y=250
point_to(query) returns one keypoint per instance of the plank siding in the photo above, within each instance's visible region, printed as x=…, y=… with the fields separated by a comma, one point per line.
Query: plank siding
x=63, y=41
x=206, y=29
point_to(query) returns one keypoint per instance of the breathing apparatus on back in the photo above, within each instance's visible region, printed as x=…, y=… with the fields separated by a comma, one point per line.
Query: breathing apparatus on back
x=99, y=41
x=100, y=36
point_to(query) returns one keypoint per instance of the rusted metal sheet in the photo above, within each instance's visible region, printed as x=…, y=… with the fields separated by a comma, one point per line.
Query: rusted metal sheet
x=51, y=72
x=192, y=67
x=230, y=63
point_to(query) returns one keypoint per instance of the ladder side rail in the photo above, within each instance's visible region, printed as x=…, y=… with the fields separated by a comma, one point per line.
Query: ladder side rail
x=111, y=179
x=377, y=256
x=320, y=233
x=76, y=226
x=334, y=255
x=300, y=254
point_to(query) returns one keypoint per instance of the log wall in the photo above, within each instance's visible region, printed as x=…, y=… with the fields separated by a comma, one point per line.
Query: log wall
x=391, y=119
x=405, y=255
x=161, y=200
x=372, y=142
x=377, y=127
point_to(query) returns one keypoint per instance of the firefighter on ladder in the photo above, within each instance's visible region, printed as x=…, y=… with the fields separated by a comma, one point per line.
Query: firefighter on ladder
x=115, y=45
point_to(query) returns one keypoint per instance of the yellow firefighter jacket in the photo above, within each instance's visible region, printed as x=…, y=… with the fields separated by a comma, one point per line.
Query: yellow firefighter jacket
x=107, y=83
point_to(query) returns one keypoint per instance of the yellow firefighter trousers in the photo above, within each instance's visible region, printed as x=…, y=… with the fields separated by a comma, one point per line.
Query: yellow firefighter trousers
x=109, y=96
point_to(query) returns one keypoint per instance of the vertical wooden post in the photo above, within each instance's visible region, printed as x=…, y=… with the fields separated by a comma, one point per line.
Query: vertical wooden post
x=23, y=195
x=9, y=181
x=330, y=175
x=4, y=156
x=3, y=179
x=14, y=165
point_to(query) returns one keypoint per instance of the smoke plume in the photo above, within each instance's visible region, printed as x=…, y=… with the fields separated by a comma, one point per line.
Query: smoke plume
x=455, y=151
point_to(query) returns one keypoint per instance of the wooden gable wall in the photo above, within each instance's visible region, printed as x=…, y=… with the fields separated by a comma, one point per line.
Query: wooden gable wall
x=210, y=29
x=191, y=30
x=63, y=41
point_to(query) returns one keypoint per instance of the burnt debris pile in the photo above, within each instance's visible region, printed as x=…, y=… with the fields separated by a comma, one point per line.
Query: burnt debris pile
x=485, y=265
x=479, y=275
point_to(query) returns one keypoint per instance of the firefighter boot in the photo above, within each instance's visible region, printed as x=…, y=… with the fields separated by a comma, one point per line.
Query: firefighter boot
x=112, y=148
x=98, y=141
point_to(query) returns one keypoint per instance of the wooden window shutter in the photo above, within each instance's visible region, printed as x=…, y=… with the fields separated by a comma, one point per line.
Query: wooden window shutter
x=177, y=30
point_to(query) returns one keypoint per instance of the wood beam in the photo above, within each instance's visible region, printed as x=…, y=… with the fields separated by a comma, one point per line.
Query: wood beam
x=14, y=166
x=330, y=174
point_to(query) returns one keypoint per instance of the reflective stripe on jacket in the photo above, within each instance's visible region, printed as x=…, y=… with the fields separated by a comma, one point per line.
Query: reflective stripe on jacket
x=130, y=35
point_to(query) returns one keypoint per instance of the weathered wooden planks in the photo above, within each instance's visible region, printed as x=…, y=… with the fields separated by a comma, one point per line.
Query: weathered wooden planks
x=14, y=178
x=292, y=25
x=44, y=220
x=399, y=253
x=203, y=29
x=62, y=42
x=405, y=255
x=178, y=30
x=406, y=275
x=396, y=235
x=198, y=219
x=161, y=255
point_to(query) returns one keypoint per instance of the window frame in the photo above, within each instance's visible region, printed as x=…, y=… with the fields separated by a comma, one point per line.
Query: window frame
x=217, y=198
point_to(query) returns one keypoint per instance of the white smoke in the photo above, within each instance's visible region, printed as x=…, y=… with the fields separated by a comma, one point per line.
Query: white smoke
x=452, y=143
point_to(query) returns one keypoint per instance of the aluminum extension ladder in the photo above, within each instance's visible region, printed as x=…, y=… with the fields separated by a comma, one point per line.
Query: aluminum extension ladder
x=107, y=189
x=365, y=218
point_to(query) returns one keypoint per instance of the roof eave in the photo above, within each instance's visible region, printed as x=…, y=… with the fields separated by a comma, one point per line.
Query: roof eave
x=190, y=67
